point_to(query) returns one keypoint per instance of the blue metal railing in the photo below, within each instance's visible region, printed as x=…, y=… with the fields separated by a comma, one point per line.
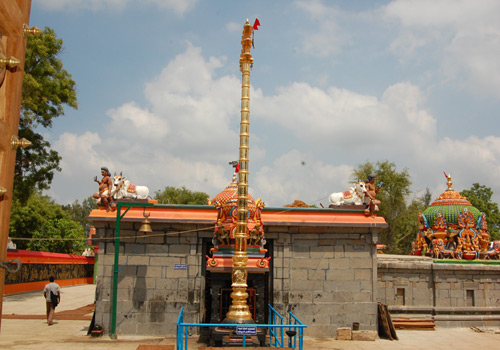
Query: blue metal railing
x=293, y=331
x=276, y=328
x=275, y=334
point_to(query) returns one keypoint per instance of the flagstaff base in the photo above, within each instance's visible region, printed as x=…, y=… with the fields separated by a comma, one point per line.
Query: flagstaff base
x=228, y=337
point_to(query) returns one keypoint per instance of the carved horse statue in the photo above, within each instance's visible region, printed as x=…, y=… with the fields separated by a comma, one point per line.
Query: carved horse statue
x=441, y=252
x=355, y=195
x=122, y=188
x=494, y=252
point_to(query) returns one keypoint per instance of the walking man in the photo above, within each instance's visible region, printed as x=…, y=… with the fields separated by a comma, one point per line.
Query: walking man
x=52, y=294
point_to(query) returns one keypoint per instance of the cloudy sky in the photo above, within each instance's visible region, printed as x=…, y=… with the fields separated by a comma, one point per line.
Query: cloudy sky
x=334, y=84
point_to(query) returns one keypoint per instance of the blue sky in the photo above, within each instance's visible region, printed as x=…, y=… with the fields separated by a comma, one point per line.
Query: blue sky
x=334, y=84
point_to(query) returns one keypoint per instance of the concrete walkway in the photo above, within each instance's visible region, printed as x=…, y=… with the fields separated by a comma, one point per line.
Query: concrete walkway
x=21, y=330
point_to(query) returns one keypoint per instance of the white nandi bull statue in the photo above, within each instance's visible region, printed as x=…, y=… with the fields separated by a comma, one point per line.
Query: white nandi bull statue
x=122, y=188
x=355, y=195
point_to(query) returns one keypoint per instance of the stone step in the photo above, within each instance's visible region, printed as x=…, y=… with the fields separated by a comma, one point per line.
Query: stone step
x=414, y=323
x=156, y=347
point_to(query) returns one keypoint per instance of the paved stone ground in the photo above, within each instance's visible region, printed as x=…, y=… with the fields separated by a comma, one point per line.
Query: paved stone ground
x=24, y=328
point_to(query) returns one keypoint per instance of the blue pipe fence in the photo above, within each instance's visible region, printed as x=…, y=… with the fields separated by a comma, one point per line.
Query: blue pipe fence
x=294, y=330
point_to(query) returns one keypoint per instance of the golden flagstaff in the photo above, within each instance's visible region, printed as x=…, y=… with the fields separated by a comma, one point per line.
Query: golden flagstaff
x=239, y=311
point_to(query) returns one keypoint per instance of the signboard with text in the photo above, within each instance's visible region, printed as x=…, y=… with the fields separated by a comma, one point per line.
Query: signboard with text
x=246, y=330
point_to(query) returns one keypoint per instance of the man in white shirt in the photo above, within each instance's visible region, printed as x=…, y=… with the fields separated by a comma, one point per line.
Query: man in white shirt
x=51, y=304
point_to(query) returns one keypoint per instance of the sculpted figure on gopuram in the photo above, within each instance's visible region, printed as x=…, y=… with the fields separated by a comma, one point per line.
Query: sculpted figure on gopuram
x=124, y=189
x=104, y=197
x=371, y=193
x=226, y=203
x=362, y=194
x=452, y=228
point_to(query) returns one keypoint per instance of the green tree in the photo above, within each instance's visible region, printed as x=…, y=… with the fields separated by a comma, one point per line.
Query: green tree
x=27, y=218
x=59, y=235
x=393, y=196
x=480, y=197
x=406, y=225
x=80, y=212
x=47, y=88
x=40, y=218
x=173, y=195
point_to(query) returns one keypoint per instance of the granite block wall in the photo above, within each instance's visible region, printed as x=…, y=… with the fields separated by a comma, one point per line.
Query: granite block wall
x=157, y=276
x=325, y=276
x=454, y=295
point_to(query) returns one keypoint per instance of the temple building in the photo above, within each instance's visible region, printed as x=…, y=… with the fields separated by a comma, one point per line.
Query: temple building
x=451, y=228
x=319, y=263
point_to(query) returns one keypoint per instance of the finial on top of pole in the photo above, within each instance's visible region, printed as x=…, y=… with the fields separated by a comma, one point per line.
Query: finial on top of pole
x=246, y=45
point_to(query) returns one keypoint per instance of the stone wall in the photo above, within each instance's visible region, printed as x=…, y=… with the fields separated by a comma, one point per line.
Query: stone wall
x=326, y=276
x=454, y=295
x=153, y=284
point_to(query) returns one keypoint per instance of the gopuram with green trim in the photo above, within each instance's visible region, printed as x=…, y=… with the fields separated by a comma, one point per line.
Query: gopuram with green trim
x=451, y=228
x=452, y=276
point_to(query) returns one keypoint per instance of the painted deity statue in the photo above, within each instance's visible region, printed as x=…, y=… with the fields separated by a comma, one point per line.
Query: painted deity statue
x=420, y=246
x=484, y=236
x=105, y=187
x=223, y=239
x=451, y=228
x=371, y=193
x=468, y=235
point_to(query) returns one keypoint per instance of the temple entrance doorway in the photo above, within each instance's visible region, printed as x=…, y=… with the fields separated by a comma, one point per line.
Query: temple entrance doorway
x=218, y=290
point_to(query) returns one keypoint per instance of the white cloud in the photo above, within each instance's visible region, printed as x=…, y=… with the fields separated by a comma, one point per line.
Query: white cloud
x=341, y=117
x=463, y=35
x=441, y=13
x=354, y=128
x=133, y=122
x=468, y=161
x=189, y=132
x=82, y=157
x=329, y=37
x=408, y=100
x=74, y=5
x=179, y=7
x=199, y=108
x=186, y=137
x=407, y=44
x=294, y=175
x=79, y=152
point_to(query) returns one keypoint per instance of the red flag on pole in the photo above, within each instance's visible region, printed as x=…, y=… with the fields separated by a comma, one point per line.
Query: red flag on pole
x=256, y=24
x=237, y=168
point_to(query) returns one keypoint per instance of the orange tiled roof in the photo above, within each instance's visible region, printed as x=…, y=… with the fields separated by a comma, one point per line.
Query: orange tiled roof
x=205, y=214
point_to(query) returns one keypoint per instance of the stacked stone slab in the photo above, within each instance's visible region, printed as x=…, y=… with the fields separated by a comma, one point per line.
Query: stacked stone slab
x=325, y=276
x=151, y=291
x=452, y=294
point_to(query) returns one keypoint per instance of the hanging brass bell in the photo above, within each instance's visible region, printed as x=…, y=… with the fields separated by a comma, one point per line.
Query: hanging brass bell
x=145, y=225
